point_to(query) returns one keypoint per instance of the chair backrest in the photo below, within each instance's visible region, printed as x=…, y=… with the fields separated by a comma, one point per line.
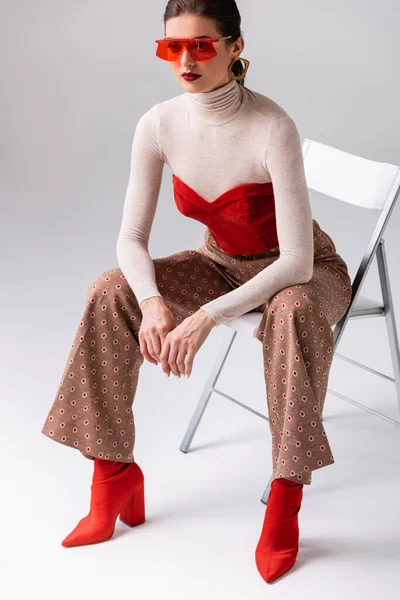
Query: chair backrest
x=356, y=180
x=350, y=178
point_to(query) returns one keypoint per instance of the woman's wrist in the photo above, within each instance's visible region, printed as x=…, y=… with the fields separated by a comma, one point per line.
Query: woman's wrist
x=203, y=314
x=150, y=302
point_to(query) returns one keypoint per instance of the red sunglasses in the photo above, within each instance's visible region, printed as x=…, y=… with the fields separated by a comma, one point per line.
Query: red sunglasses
x=171, y=49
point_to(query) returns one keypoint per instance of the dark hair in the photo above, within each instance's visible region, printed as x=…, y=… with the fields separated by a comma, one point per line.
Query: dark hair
x=225, y=13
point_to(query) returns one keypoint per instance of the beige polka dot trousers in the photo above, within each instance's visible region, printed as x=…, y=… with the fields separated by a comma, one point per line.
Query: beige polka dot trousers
x=92, y=410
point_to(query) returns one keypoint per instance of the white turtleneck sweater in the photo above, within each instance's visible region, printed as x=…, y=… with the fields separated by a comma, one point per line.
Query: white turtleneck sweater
x=214, y=141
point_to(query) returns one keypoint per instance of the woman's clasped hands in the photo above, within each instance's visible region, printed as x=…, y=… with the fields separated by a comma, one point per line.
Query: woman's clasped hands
x=173, y=346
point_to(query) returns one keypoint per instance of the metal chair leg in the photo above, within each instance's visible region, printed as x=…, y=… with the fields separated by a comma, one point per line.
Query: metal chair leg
x=207, y=391
x=267, y=489
x=389, y=314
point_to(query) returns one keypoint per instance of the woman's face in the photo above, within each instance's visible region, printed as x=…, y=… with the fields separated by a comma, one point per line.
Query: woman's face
x=214, y=72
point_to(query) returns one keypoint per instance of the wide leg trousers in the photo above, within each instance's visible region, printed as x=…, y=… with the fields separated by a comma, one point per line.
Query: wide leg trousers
x=92, y=409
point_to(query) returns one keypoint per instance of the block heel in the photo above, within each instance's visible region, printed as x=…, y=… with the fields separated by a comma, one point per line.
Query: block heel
x=133, y=512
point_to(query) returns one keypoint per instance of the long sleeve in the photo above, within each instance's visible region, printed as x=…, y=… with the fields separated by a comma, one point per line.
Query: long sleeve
x=294, y=265
x=140, y=204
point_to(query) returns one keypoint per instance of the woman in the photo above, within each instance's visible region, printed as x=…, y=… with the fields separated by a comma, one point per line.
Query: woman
x=237, y=167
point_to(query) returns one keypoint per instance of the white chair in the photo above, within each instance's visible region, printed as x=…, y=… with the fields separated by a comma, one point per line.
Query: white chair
x=364, y=183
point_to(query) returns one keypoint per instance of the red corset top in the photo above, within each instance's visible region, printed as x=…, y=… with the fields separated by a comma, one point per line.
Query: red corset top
x=241, y=220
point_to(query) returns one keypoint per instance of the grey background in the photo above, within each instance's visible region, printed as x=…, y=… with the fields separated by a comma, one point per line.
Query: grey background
x=76, y=77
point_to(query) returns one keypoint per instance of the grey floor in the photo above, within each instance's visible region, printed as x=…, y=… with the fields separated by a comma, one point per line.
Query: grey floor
x=204, y=513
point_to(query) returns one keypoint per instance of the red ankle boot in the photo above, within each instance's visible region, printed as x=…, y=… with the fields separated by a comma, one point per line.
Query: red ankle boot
x=117, y=488
x=277, y=548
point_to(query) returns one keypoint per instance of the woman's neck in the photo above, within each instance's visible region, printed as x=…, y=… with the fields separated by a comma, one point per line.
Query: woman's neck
x=218, y=106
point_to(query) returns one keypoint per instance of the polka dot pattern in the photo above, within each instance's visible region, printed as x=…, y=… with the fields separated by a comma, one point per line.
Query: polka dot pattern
x=92, y=410
x=297, y=338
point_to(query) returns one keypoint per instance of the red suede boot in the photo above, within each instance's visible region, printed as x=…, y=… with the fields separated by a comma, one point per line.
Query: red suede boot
x=277, y=548
x=117, y=488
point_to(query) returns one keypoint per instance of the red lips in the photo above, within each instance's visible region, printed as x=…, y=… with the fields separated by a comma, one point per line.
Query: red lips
x=190, y=76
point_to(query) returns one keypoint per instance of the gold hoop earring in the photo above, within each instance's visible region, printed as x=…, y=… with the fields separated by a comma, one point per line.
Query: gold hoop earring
x=242, y=75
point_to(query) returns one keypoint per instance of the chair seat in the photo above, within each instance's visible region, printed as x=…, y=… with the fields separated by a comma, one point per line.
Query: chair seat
x=247, y=323
x=250, y=321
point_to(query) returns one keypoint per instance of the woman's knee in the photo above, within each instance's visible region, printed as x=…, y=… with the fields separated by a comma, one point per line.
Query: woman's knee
x=112, y=279
x=292, y=300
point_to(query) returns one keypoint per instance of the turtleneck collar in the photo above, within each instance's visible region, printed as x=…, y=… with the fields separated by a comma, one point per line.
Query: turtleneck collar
x=218, y=106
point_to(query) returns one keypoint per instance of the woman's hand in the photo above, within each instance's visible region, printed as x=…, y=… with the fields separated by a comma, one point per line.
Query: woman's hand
x=183, y=342
x=157, y=322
